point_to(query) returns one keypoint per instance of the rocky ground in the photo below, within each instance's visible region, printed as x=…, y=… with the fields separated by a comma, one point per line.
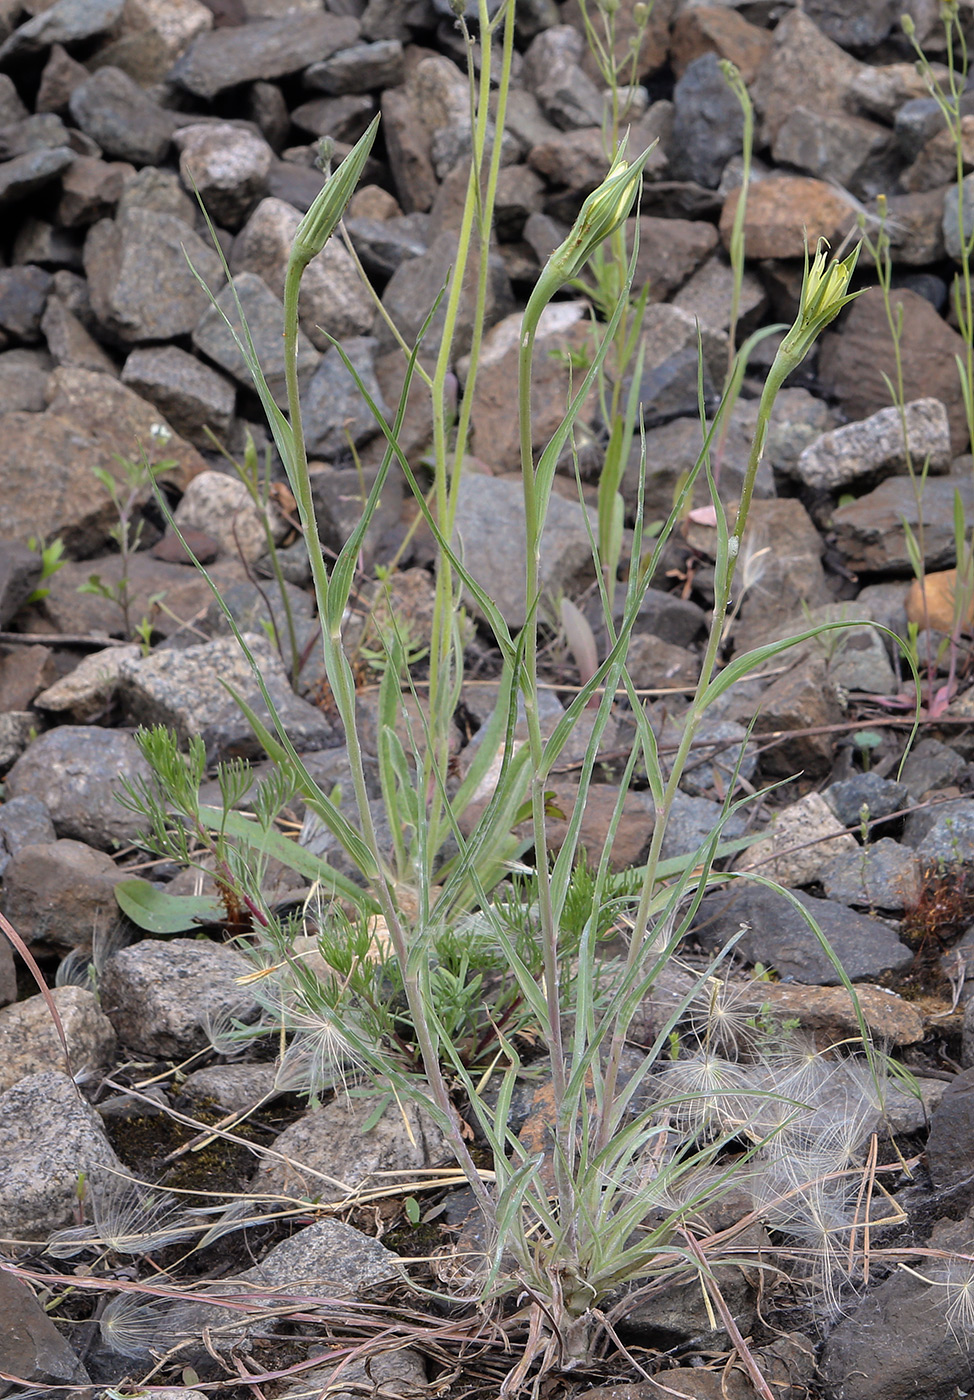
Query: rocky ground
x=110, y=111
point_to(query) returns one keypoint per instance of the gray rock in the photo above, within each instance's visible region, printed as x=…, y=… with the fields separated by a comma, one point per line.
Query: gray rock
x=875, y=447
x=255, y=609
x=225, y=58
x=330, y=1157
x=415, y=286
x=921, y=823
x=31, y=1345
x=142, y=287
x=901, y=1327
x=58, y=893
x=782, y=565
x=23, y=296
x=713, y=762
x=342, y=118
x=223, y=507
x=951, y=1132
x=855, y=152
x=654, y=664
x=361, y=68
x=264, y=314
x=950, y=219
x=553, y=72
x=668, y=616
x=49, y=1137
x=20, y=569
x=46, y=461
x=84, y=694
x=915, y=123
x=25, y=174
x=76, y=771
x=236, y=1088
x=44, y=131
x=880, y=795
x=329, y=1258
x=333, y=301
x=668, y=388
x=70, y=344
x=692, y=820
x=408, y=148
x=227, y=166
x=399, y=1372
x=929, y=764
x=11, y=107
x=884, y=875
x=122, y=118
x=160, y=192
x=334, y=410
x=870, y=533
x=489, y=533
x=17, y=728
x=160, y=995
x=30, y=1043
x=185, y=592
x=950, y=841
x=185, y=690
x=385, y=244
x=192, y=396
x=708, y=124
x=779, y=937
x=860, y=26
x=65, y=22
x=24, y=821
x=708, y=293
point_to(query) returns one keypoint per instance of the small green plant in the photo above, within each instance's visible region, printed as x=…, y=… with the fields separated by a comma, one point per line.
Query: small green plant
x=52, y=559
x=127, y=489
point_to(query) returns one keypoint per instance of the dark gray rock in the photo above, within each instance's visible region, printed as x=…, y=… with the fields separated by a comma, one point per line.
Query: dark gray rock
x=929, y=764
x=264, y=314
x=49, y=1136
x=339, y=501
x=225, y=58
x=90, y=191
x=76, y=772
x=142, y=287
x=692, y=820
x=28, y=173
x=254, y=609
x=122, y=118
x=880, y=795
x=361, y=68
x=385, y=244
x=23, y=296
x=667, y=616
x=191, y=395
x=884, y=875
x=859, y=154
x=66, y=22
x=40, y=242
x=160, y=192
x=184, y=689
x=341, y=118
x=20, y=568
x=951, y=1142
x=415, y=285
x=31, y=1346
x=921, y=823
x=668, y=388
x=708, y=125
x=915, y=123
x=870, y=533
x=58, y=893
x=24, y=821
x=860, y=26
x=11, y=107
x=896, y=1343
x=70, y=343
x=779, y=937
x=334, y=410
x=160, y=995
x=17, y=727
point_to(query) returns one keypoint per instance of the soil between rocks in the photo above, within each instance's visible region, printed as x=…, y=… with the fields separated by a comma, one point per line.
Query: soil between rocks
x=108, y=116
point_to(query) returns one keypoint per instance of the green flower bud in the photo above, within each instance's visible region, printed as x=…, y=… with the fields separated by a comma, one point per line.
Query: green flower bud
x=322, y=218
x=824, y=288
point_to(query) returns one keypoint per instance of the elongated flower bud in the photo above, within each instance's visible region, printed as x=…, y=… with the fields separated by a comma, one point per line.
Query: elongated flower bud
x=322, y=218
x=604, y=210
